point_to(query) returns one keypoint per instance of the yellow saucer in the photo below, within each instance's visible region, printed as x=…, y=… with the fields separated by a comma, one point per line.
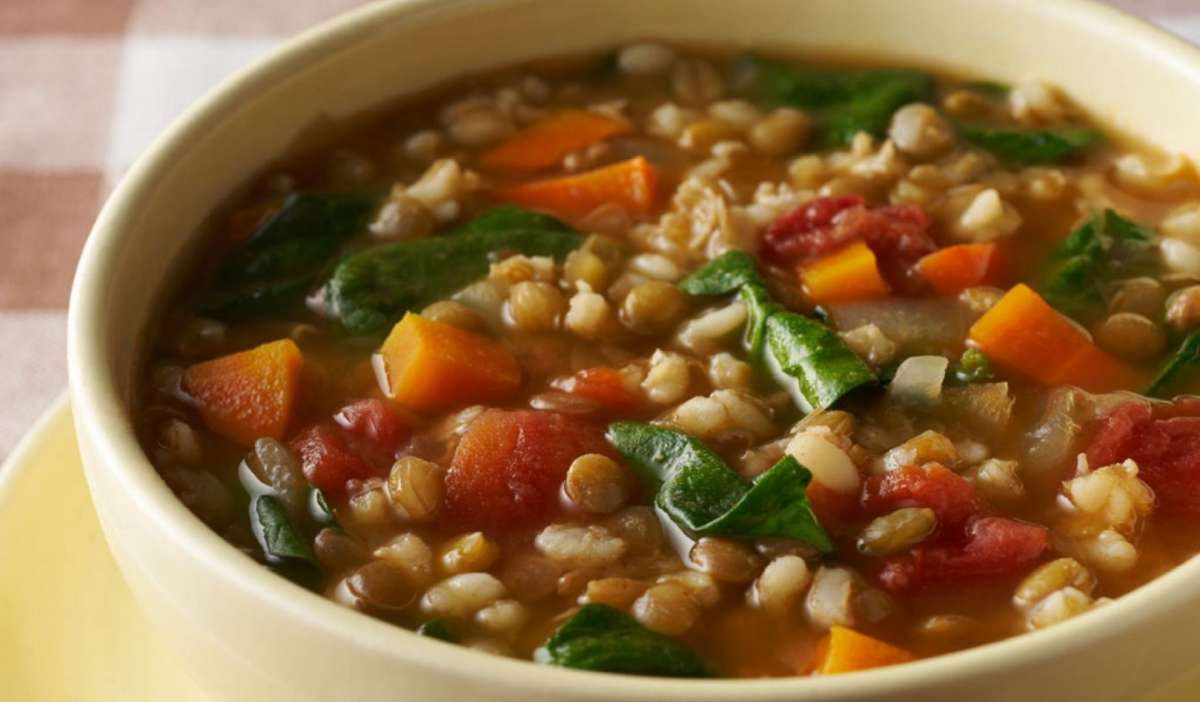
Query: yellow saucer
x=69, y=628
x=70, y=631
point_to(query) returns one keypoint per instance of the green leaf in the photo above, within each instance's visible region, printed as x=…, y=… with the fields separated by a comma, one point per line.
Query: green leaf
x=759, y=308
x=1030, y=147
x=723, y=275
x=371, y=290
x=604, y=639
x=286, y=255
x=1105, y=247
x=776, y=504
x=843, y=102
x=1187, y=355
x=437, y=629
x=974, y=367
x=695, y=488
x=812, y=362
x=802, y=354
x=281, y=541
x=988, y=88
x=320, y=510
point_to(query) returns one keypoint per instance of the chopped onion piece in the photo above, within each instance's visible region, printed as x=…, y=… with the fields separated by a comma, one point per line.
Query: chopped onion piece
x=919, y=379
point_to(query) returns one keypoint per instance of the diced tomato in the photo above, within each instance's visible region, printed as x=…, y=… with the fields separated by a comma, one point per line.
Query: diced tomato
x=995, y=547
x=932, y=485
x=361, y=442
x=897, y=234
x=834, y=509
x=1167, y=450
x=328, y=461
x=373, y=428
x=509, y=466
x=808, y=230
x=604, y=386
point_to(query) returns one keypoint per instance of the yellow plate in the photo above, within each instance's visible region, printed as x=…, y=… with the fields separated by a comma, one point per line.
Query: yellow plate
x=69, y=628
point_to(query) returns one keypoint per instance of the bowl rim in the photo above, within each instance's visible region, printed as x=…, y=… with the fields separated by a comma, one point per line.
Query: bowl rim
x=102, y=418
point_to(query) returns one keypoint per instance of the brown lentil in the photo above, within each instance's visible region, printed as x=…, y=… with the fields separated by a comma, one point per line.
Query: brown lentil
x=1130, y=336
x=725, y=560
x=597, y=484
x=652, y=307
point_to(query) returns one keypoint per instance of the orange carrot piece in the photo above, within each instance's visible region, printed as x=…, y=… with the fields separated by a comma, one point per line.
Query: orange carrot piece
x=1023, y=333
x=633, y=184
x=250, y=394
x=850, y=273
x=432, y=365
x=955, y=268
x=544, y=143
x=845, y=650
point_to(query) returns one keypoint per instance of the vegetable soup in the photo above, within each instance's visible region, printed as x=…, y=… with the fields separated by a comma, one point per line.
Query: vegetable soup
x=675, y=363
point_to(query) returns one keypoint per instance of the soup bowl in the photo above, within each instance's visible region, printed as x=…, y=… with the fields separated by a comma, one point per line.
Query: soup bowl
x=247, y=634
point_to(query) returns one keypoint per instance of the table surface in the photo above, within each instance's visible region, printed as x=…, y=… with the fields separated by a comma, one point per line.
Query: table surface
x=87, y=85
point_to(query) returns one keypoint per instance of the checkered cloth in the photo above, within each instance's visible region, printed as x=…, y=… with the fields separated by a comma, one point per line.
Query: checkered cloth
x=85, y=85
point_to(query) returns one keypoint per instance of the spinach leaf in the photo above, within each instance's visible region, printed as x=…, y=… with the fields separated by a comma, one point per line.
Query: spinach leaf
x=812, y=362
x=988, y=88
x=437, y=629
x=974, y=367
x=373, y=288
x=320, y=510
x=1187, y=354
x=604, y=639
x=273, y=528
x=725, y=274
x=1105, y=247
x=802, y=354
x=1030, y=147
x=775, y=505
x=286, y=255
x=843, y=102
x=695, y=488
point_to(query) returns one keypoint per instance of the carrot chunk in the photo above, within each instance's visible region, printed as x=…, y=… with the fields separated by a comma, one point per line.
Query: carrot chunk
x=432, y=365
x=1023, y=333
x=250, y=394
x=955, y=268
x=632, y=184
x=544, y=143
x=848, y=274
x=845, y=650
x=601, y=385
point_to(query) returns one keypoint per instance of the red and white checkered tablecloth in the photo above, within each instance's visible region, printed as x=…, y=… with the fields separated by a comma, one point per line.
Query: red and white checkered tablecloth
x=85, y=85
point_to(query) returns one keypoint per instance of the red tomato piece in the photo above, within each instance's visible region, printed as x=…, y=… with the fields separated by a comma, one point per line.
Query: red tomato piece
x=932, y=485
x=373, y=428
x=508, y=468
x=808, y=230
x=604, y=386
x=897, y=234
x=834, y=509
x=1167, y=450
x=327, y=461
x=995, y=547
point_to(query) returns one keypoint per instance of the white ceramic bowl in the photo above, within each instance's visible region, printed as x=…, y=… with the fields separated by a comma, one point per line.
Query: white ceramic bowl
x=249, y=635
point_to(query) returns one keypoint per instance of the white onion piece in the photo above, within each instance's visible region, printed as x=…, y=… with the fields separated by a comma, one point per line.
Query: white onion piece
x=829, y=464
x=379, y=366
x=919, y=379
x=1180, y=256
